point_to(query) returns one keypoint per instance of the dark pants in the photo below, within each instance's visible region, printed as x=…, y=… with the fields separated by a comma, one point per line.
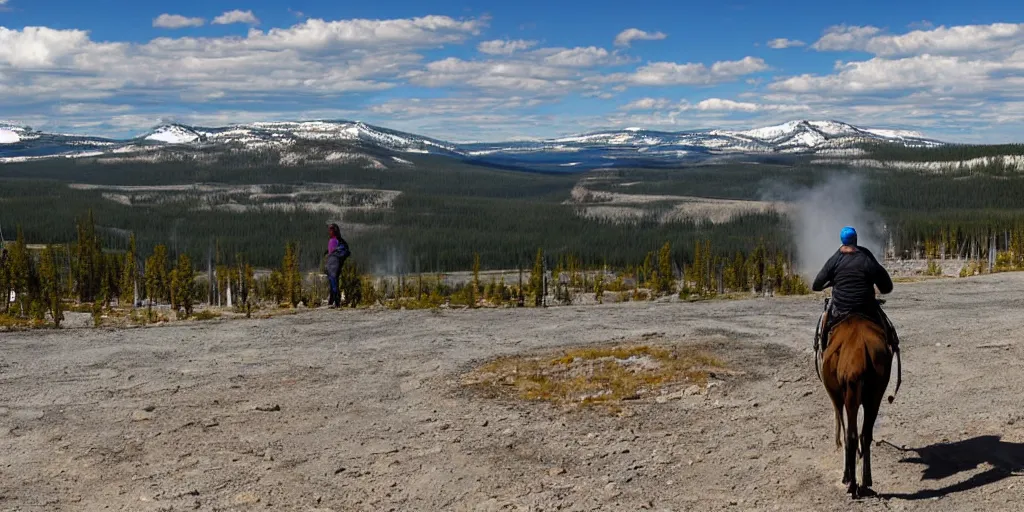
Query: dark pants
x=335, y=298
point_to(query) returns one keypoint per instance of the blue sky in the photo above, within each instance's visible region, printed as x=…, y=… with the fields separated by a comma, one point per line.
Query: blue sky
x=474, y=70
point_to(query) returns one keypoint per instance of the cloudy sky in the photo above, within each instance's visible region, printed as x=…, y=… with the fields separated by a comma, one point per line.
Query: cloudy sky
x=482, y=70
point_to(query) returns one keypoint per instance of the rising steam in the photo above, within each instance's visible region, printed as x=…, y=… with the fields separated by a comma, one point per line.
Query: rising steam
x=818, y=215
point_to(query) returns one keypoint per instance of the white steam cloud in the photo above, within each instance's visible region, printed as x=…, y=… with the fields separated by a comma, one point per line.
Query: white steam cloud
x=818, y=215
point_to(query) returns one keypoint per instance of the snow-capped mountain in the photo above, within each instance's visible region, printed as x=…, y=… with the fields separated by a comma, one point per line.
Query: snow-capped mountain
x=281, y=134
x=306, y=142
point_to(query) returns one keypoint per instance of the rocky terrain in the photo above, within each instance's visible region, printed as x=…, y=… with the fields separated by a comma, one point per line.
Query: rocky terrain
x=365, y=410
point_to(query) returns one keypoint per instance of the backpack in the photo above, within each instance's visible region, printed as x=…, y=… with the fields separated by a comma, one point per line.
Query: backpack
x=342, y=252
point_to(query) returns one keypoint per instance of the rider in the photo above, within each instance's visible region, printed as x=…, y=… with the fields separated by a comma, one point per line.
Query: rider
x=853, y=273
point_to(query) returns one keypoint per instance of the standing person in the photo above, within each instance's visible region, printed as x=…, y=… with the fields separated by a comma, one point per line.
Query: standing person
x=337, y=253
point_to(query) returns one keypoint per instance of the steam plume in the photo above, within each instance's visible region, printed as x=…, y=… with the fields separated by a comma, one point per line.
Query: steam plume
x=819, y=214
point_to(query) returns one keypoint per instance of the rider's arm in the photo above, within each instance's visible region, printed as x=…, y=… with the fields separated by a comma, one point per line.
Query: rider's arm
x=882, y=279
x=825, y=275
x=880, y=276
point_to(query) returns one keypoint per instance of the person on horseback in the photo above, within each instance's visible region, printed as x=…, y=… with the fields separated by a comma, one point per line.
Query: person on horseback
x=853, y=273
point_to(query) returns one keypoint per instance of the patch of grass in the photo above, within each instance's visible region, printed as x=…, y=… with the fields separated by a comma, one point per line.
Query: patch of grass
x=594, y=375
x=206, y=314
x=13, y=323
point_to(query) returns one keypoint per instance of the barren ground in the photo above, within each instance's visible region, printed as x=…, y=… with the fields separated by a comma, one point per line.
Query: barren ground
x=356, y=410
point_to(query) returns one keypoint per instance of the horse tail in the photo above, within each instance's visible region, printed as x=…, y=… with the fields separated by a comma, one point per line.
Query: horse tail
x=899, y=375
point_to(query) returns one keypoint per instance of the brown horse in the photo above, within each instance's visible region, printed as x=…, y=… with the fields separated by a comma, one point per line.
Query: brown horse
x=855, y=370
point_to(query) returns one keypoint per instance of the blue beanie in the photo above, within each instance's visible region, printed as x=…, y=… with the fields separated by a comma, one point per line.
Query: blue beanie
x=848, y=236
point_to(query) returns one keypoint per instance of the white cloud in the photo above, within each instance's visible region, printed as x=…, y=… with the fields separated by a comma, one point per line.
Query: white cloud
x=626, y=37
x=45, y=64
x=646, y=104
x=948, y=75
x=588, y=57
x=783, y=43
x=92, y=108
x=40, y=47
x=671, y=73
x=545, y=71
x=177, y=21
x=236, y=16
x=320, y=34
x=726, y=105
x=505, y=47
x=958, y=40
x=845, y=38
x=419, y=107
x=968, y=39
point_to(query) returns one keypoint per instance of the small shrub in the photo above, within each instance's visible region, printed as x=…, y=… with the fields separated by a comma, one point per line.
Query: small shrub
x=206, y=314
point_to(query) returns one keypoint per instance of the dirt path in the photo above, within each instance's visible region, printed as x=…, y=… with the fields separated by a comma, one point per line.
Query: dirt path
x=362, y=411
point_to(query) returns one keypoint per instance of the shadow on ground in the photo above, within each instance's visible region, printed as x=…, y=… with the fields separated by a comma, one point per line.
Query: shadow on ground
x=944, y=460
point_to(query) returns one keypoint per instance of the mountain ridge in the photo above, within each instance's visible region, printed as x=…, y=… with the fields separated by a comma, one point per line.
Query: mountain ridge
x=355, y=140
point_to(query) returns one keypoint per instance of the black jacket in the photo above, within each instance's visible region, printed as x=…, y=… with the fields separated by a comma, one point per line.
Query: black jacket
x=853, y=277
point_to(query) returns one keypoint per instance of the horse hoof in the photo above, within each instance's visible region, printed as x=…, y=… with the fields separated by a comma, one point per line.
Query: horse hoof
x=852, y=489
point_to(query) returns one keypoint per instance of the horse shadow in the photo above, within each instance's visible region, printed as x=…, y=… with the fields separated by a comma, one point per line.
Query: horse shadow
x=943, y=460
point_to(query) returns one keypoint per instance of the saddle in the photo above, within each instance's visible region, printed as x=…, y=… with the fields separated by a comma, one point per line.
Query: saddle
x=829, y=319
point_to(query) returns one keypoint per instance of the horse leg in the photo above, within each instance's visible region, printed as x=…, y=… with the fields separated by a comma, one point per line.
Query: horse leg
x=853, y=395
x=870, y=415
x=837, y=407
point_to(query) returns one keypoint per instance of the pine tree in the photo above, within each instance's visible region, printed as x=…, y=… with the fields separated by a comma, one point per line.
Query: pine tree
x=709, y=268
x=757, y=263
x=5, y=279
x=110, y=286
x=156, y=276
x=537, y=278
x=183, y=285
x=89, y=264
x=129, y=274
x=742, y=276
x=665, y=284
x=778, y=272
x=50, y=284
x=291, y=280
x=21, y=274
x=476, y=280
x=697, y=268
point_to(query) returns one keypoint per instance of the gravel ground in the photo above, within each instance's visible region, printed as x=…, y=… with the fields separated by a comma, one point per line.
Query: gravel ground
x=363, y=410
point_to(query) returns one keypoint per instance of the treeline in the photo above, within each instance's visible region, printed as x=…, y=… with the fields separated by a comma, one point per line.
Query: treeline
x=953, y=242
x=945, y=153
x=86, y=274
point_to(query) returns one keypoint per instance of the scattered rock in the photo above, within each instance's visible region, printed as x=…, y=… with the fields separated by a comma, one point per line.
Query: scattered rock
x=556, y=471
x=142, y=416
x=246, y=498
x=692, y=390
x=149, y=408
x=268, y=408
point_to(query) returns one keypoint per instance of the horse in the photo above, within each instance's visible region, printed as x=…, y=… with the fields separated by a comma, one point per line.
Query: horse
x=855, y=369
